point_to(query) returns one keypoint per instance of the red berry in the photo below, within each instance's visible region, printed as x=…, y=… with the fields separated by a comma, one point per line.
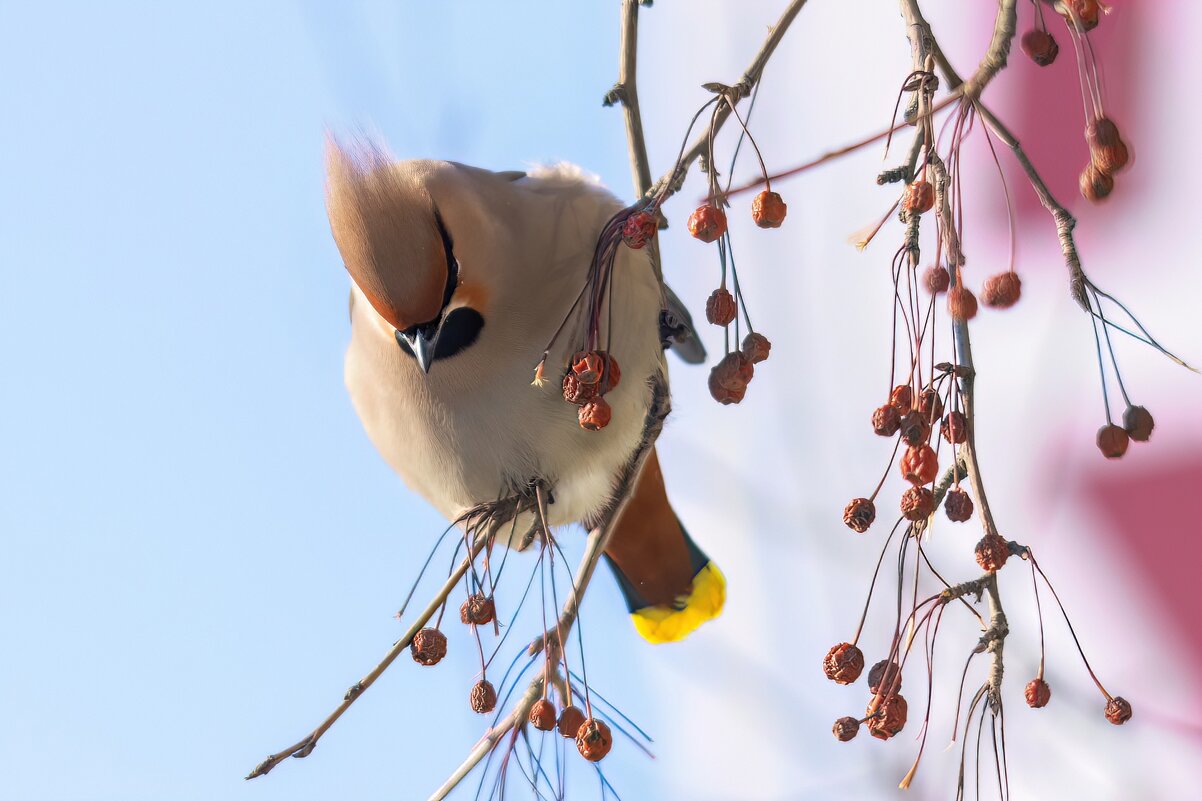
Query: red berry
x=729, y=379
x=886, y=715
x=587, y=366
x=756, y=347
x=595, y=415
x=707, y=223
x=859, y=514
x=593, y=740
x=639, y=229
x=902, y=397
x=843, y=663
x=919, y=197
x=428, y=647
x=884, y=677
x=570, y=721
x=1138, y=423
x=917, y=503
x=1002, y=291
x=1095, y=185
x=1112, y=441
x=1040, y=47
x=992, y=552
x=915, y=430
x=768, y=210
x=721, y=308
x=931, y=405
x=936, y=279
x=954, y=428
x=846, y=729
x=886, y=420
x=961, y=303
x=919, y=465
x=1085, y=11
x=1118, y=710
x=1038, y=693
x=483, y=697
x=1107, y=150
x=957, y=505
x=542, y=715
x=477, y=610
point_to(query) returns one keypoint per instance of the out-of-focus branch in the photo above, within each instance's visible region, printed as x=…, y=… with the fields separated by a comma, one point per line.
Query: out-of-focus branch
x=672, y=180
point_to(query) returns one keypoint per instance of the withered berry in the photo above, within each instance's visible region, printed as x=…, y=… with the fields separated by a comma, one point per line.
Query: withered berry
x=954, y=428
x=992, y=552
x=595, y=415
x=1002, y=291
x=886, y=420
x=477, y=610
x=428, y=647
x=1095, y=184
x=1106, y=148
x=1138, y=423
x=721, y=308
x=846, y=729
x=483, y=697
x=1038, y=693
x=729, y=378
x=915, y=430
x=843, y=663
x=931, y=405
x=639, y=229
x=936, y=279
x=593, y=740
x=587, y=366
x=570, y=721
x=768, y=210
x=707, y=223
x=958, y=505
x=886, y=716
x=542, y=715
x=961, y=303
x=902, y=397
x=576, y=392
x=1085, y=11
x=1112, y=441
x=919, y=464
x=917, y=503
x=1040, y=47
x=859, y=514
x=884, y=677
x=1118, y=710
x=919, y=197
x=756, y=347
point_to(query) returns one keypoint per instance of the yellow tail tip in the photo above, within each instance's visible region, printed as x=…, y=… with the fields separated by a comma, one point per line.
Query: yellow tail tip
x=659, y=624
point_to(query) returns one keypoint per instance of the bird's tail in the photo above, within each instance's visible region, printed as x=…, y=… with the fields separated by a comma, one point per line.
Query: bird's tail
x=671, y=586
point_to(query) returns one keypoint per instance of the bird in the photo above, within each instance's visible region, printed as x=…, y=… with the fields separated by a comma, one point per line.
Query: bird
x=460, y=276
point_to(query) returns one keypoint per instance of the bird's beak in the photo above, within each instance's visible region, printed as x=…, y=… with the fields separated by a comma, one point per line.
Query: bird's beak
x=421, y=346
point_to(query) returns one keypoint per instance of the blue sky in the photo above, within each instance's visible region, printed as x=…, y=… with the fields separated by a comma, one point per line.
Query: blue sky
x=201, y=548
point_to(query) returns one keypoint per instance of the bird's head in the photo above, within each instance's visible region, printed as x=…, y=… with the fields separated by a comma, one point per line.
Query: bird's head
x=394, y=224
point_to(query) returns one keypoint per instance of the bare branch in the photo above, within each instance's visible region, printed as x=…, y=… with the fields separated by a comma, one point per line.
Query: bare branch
x=626, y=92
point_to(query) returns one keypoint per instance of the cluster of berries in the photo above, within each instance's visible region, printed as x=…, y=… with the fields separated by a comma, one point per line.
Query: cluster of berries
x=887, y=709
x=591, y=375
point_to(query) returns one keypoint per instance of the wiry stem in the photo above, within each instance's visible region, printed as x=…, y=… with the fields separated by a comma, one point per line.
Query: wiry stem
x=672, y=180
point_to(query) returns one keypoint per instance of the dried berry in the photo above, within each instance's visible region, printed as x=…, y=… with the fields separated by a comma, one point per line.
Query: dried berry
x=886, y=420
x=931, y=405
x=992, y=552
x=639, y=229
x=587, y=366
x=936, y=279
x=1138, y=423
x=1002, y=291
x=920, y=197
x=1107, y=150
x=1112, y=441
x=483, y=697
x=1095, y=184
x=859, y=514
x=768, y=210
x=843, y=663
x=915, y=430
x=1040, y=47
x=886, y=716
x=846, y=729
x=478, y=610
x=570, y=721
x=917, y=503
x=721, y=308
x=729, y=379
x=961, y=303
x=593, y=740
x=611, y=374
x=542, y=715
x=954, y=428
x=428, y=647
x=756, y=347
x=919, y=464
x=1118, y=710
x=707, y=223
x=1085, y=11
x=958, y=505
x=1038, y=693
x=884, y=677
x=902, y=397
x=595, y=414
x=576, y=392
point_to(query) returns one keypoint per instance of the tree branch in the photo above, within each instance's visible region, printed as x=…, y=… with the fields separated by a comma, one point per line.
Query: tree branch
x=626, y=92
